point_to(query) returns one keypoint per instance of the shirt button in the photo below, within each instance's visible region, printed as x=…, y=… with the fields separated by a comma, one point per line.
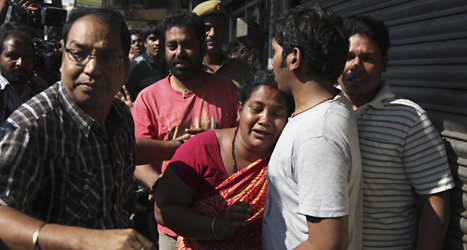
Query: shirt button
x=86, y=187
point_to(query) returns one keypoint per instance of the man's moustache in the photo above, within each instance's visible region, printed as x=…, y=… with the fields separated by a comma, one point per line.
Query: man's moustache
x=17, y=70
x=212, y=39
x=180, y=60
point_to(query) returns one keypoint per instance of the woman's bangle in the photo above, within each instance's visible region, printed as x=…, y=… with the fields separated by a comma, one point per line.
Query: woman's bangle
x=213, y=228
x=35, y=236
x=219, y=230
x=6, y=2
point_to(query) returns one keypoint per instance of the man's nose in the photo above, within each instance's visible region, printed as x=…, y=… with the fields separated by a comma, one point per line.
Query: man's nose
x=212, y=31
x=356, y=64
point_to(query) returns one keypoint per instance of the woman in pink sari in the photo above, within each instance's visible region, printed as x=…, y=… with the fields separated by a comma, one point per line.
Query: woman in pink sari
x=214, y=190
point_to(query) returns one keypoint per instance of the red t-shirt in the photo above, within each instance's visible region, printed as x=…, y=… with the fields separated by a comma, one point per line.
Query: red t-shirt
x=162, y=113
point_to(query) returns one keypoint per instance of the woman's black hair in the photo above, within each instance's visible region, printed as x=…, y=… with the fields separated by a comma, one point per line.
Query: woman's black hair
x=262, y=78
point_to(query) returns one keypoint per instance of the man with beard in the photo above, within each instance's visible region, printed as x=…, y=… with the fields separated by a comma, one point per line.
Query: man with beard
x=186, y=102
x=149, y=67
x=16, y=65
x=215, y=62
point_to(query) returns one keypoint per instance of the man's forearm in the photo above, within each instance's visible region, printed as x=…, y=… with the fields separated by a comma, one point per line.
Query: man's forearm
x=146, y=174
x=17, y=229
x=434, y=221
x=150, y=150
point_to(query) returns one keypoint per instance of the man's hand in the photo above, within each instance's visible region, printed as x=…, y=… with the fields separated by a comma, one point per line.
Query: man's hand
x=195, y=131
x=123, y=239
x=126, y=97
x=16, y=230
x=189, y=133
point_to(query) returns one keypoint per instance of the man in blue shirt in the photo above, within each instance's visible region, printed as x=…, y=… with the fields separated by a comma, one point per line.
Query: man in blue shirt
x=149, y=67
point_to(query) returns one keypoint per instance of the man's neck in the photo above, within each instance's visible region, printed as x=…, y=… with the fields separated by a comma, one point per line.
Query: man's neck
x=362, y=100
x=157, y=60
x=18, y=87
x=98, y=114
x=214, y=60
x=182, y=85
x=312, y=92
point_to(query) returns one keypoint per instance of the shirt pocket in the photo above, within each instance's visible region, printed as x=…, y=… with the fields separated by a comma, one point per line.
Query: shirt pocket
x=79, y=188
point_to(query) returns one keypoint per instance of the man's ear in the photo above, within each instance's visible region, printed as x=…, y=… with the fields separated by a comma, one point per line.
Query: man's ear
x=295, y=59
x=385, y=63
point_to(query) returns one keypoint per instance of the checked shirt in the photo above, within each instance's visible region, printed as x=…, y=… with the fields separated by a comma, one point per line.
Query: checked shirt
x=58, y=165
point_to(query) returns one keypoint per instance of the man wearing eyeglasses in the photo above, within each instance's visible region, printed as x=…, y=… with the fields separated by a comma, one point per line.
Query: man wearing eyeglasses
x=16, y=65
x=67, y=155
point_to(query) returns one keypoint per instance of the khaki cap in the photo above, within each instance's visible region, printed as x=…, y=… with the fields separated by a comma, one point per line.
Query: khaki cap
x=209, y=8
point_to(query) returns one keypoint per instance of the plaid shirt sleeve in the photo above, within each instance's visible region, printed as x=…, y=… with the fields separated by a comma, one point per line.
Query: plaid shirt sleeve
x=20, y=173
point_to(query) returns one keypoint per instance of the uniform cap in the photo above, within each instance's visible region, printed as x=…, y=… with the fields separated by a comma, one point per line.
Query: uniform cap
x=209, y=8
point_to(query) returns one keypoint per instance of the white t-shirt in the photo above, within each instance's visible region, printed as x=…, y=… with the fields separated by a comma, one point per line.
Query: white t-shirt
x=315, y=170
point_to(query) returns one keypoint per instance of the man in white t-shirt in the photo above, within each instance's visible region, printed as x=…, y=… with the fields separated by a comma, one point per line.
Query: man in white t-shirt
x=314, y=176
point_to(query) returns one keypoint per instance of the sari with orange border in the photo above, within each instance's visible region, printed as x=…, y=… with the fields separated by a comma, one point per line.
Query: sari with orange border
x=248, y=185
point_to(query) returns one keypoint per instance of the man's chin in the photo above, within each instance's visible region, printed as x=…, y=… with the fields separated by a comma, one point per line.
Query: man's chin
x=18, y=81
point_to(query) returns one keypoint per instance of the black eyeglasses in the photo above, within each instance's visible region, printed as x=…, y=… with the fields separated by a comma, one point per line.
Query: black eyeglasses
x=82, y=58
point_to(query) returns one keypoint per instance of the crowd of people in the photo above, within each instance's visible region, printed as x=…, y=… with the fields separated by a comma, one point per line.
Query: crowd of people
x=159, y=140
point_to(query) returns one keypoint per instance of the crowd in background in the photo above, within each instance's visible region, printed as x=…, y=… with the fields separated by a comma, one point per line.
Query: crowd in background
x=170, y=138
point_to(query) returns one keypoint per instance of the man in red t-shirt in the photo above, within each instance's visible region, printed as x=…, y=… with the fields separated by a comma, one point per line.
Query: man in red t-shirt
x=186, y=102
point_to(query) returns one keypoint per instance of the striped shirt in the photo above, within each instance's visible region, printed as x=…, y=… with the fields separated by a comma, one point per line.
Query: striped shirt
x=10, y=100
x=402, y=154
x=60, y=166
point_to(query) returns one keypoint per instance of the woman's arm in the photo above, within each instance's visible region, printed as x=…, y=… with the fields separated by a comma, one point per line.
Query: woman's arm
x=173, y=209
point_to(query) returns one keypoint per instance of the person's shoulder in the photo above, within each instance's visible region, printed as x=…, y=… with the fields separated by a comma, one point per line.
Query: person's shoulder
x=237, y=65
x=202, y=141
x=139, y=59
x=401, y=103
x=208, y=137
x=150, y=90
x=341, y=106
x=35, y=108
x=399, y=107
x=218, y=80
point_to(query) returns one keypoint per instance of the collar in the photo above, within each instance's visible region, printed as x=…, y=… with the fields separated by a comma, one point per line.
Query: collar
x=148, y=58
x=209, y=70
x=79, y=117
x=27, y=88
x=383, y=94
x=84, y=122
x=3, y=82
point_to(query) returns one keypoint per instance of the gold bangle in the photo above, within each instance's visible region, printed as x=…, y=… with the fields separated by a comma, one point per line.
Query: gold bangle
x=35, y=236
x=212, y=228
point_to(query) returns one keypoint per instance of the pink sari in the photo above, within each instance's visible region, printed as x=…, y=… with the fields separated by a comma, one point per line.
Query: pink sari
x=248, y=185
